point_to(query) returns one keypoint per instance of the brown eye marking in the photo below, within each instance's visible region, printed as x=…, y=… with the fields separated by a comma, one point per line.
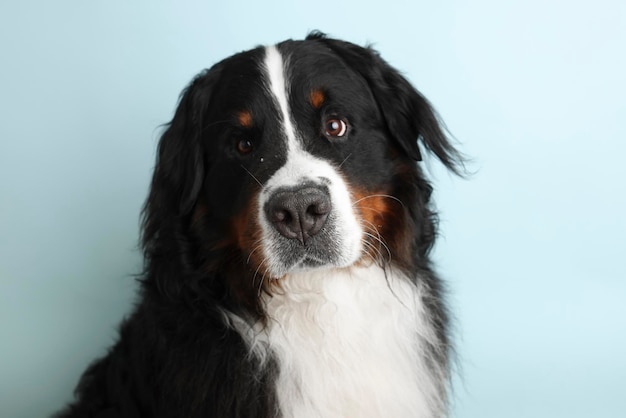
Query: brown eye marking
x=245, y=118
x=317, y=98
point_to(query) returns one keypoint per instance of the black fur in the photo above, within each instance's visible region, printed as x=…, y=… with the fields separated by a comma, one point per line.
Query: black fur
x=176, y=355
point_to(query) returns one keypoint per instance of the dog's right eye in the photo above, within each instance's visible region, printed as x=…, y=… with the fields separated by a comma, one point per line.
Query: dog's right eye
x=244, y=146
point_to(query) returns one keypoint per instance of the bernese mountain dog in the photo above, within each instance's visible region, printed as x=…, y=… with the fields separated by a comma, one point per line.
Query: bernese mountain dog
x=286, y=237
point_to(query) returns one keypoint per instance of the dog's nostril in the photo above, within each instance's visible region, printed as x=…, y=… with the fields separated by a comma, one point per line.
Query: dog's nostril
x=299, y=213
x=282, y=216
x=319, y=208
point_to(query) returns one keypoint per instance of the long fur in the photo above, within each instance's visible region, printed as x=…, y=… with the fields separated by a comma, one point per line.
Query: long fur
x=227, y=324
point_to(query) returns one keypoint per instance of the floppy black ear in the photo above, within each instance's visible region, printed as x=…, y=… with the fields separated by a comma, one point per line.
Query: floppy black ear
x=179, y=171
x=408, y=115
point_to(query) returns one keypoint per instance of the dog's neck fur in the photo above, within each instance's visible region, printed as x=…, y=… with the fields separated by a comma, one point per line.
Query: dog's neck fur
x=350, y=343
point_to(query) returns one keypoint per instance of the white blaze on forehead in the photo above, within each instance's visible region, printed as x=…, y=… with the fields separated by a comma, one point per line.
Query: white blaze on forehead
x=278, y=87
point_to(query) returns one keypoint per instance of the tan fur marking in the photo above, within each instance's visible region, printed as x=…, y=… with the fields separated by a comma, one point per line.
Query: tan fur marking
x=245, y=118
x=317, y=98
x=382, y=219
x=246, y=234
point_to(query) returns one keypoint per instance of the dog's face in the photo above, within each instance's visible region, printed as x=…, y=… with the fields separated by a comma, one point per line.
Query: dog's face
x=306, y=143
x=297, y=157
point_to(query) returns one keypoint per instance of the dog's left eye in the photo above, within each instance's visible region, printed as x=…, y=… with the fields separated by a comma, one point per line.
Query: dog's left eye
x=335, y=127
x=244, y=146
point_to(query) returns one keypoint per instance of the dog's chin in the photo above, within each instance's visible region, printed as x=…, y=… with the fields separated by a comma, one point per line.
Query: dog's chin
x=311, y=264
x=291, y=263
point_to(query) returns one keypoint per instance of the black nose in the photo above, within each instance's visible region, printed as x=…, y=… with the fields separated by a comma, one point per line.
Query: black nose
x=299, y=213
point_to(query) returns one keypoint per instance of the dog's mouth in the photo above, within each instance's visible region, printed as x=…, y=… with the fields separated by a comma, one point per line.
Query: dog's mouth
x=311, y=262
x=316, y=261
x=324, y=250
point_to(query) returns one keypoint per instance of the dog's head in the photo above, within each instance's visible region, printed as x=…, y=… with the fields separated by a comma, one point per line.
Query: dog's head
x=290, y=158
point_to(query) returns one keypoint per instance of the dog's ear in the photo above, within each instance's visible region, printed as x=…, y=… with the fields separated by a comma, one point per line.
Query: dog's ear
x=408, y=116
x=180, y=166
x=179, y=171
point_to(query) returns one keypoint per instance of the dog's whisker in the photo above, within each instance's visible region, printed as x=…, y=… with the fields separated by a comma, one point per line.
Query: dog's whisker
x=382, y=244
x=378, y=237
x=251, y=175
x=260, y=288
x=257, y=246
x=378, y=195
x=376, y=259
x=371, y=226
x=373, y=210
x=344, y=160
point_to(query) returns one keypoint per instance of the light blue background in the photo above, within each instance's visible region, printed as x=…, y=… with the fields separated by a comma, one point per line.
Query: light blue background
x=532, y=246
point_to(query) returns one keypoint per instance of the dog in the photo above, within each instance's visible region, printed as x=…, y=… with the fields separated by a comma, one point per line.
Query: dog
x=286, y=237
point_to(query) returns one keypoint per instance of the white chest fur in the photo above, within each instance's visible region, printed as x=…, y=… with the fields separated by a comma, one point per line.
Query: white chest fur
x=350, y=343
